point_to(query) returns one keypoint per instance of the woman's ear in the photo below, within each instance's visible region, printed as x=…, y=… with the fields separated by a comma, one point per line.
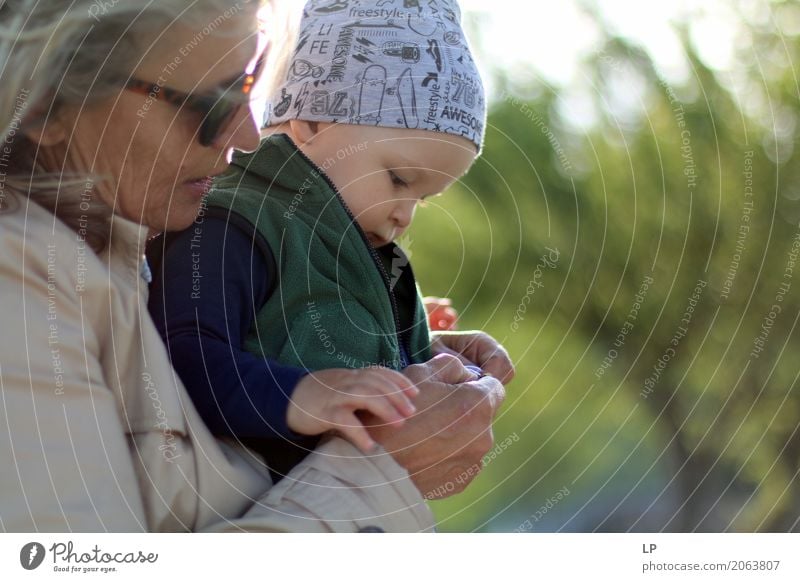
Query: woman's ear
x=46, y=133
x=303, y=131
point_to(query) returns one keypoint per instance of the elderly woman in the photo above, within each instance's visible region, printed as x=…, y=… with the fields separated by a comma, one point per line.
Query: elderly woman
x=115, y=116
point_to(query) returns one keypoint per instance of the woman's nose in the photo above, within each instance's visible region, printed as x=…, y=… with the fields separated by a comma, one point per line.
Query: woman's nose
x=242, y=131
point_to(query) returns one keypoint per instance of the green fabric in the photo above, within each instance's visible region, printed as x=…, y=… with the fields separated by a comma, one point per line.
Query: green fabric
x=331, y=307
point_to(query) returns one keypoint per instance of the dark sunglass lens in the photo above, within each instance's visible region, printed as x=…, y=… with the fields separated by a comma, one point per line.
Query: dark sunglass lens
x=224, y=108
x=214, y=123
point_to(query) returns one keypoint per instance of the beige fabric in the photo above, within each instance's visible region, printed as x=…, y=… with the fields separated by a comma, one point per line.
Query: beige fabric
x=98, y=434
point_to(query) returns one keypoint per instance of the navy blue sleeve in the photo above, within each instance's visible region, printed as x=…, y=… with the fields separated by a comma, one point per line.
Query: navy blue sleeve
x=208, y=283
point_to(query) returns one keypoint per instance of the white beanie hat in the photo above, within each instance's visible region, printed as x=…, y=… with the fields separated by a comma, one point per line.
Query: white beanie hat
x=388, y=63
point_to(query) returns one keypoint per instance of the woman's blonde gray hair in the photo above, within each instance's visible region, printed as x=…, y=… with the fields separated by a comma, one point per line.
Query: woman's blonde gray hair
x=55, y=53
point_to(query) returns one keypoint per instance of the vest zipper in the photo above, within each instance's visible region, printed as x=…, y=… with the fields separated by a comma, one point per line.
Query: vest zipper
x=401, y=343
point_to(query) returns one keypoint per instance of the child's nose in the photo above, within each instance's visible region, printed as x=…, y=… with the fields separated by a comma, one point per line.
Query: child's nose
x=404, y=213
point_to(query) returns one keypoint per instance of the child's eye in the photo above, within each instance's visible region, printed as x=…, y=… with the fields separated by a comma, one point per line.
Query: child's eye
x=397, y=180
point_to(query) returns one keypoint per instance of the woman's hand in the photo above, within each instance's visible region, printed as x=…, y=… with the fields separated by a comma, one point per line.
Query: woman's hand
x=442, y=446
x=477, y=348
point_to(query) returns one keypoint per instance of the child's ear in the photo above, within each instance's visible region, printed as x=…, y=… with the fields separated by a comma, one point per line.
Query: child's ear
x=304, y=131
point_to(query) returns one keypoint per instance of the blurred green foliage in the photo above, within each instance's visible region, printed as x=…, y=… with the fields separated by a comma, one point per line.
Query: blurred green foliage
x=696, y=188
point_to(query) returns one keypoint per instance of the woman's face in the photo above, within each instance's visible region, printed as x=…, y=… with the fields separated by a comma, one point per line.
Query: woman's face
x=149, y=147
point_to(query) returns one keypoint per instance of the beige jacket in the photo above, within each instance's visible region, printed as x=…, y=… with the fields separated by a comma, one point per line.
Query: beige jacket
x=97, y=432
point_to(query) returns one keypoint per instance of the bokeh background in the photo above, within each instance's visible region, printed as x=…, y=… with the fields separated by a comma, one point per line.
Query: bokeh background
x=630, y=235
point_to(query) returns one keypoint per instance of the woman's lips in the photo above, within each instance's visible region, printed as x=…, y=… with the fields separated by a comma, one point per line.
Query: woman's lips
x=199, y=188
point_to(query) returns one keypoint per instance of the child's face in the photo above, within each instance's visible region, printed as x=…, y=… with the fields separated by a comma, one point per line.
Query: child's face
x=384, y=173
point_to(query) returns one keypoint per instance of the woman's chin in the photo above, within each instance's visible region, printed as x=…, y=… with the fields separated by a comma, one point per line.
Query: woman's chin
x=181, y=224
x=176, y=219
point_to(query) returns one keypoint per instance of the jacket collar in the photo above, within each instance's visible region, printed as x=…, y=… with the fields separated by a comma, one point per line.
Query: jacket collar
x=125, y=251
x=281, y=163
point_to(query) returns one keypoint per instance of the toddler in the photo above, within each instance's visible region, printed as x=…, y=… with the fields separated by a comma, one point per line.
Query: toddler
x=290, y=285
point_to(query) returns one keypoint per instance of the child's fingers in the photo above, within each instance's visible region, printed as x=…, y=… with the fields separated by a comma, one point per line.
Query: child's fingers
x=398, y=380
x=397, y=388
x=348, y=425
x=379, y=405
x=385, y=382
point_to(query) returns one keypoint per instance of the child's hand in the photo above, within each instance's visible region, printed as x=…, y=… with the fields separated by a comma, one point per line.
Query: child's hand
x=441, y=314
x=329, y=399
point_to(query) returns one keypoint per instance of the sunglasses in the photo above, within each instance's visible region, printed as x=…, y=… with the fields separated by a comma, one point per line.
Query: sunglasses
x=216, y=109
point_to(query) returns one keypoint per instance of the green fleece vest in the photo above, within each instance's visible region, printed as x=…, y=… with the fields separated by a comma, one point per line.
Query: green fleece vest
x=334, y=304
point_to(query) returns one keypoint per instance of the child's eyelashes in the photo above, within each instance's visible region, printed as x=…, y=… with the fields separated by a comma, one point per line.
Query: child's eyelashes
x=426, y=200
x=397, y=180
x=411, y=186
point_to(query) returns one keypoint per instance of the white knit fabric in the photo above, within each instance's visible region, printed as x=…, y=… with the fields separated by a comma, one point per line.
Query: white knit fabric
x=389, y=63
